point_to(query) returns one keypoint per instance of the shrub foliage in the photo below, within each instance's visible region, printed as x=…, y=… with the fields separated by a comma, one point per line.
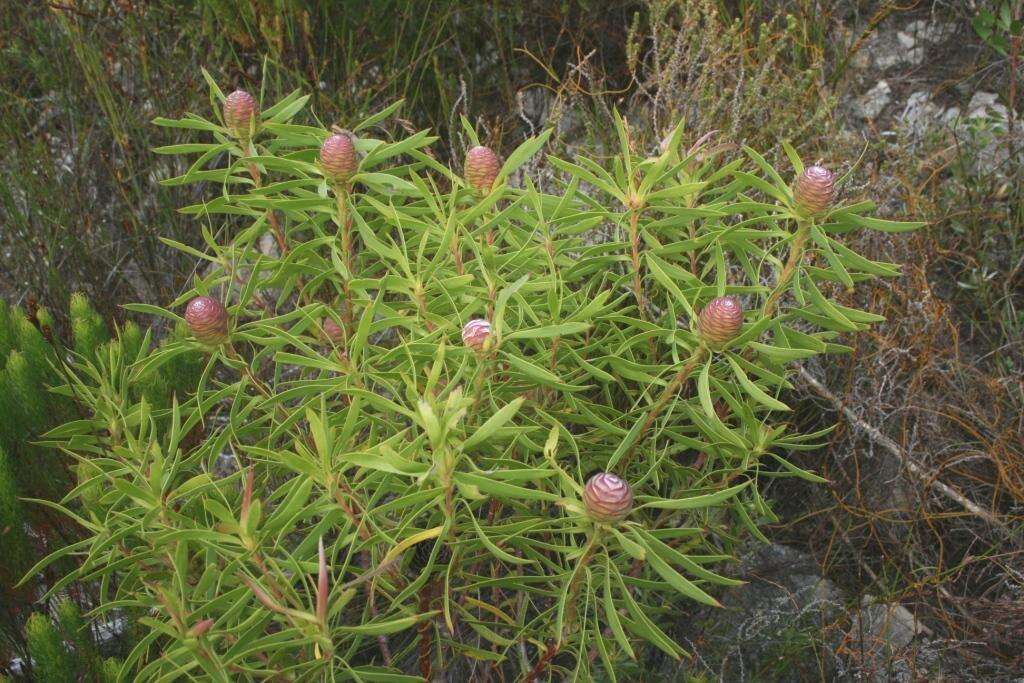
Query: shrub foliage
x=366, y=482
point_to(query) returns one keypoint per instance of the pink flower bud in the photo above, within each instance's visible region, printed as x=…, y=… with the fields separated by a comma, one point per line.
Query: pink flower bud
x=338, y=158
x=239, y=113
x=476, y=333
x=333, y=331
x=607, y=498
x=200, y=628
x=814, y=190
x=207, y=320
x=721, y=320
x=482, y=168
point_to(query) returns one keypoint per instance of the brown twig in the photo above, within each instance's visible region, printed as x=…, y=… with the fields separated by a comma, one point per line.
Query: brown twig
x=541, y=664
x=917, y=470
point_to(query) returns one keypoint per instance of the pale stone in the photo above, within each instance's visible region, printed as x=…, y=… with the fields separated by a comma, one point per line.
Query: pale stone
x=870, y=104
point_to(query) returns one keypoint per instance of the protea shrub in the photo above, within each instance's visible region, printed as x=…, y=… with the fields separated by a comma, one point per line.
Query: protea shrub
x=445, y=486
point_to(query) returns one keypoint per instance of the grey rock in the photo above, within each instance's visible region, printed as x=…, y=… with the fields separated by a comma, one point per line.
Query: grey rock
x=778, y=626
x=870, y=104
x=982, y=132
x=925, y=31
x=533, y=105
x=889, y=643
x=921, y=114
x=986, y=105
x=888, y=49
x=888, y=625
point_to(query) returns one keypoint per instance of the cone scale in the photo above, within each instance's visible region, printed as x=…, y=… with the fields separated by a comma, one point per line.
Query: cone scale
x=338, y=159
x=240, y=113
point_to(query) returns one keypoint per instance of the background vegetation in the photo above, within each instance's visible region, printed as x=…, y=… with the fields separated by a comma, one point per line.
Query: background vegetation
x=926, y=497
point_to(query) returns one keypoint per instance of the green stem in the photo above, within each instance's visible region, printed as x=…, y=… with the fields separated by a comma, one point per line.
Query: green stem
x=345, y=223
x=577, y=574
x=638, y=279
x=669, y=392
x=796, y=254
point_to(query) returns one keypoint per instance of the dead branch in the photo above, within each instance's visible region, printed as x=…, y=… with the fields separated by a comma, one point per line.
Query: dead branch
x=917, y=470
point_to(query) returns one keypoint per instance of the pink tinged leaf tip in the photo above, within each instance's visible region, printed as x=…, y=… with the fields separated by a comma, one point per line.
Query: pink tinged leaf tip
x=322, y=586
x=333, y=331
x=200, y=628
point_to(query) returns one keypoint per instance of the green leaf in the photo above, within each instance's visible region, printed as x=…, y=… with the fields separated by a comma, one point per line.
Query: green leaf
x=704, y=500
x=794, y=158
x=882, y=225
x=560, y=330
x=384, y=461
x=383, y=628
x=611, y=615
x=491, y=547
x=707, y=404
x=781, y=354
x=522, y=153
x=643, y=626
x=502, y=489
x=539, y=374
x=493, y=424
x=383, y=114
x=755, y=391
x=674, y=578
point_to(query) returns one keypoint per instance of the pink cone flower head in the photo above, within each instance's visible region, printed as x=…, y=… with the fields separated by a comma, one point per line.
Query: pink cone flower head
x=721, y=320
x=239, y=113
x=814, y=190
x=207, y=320
x=476, y=333
x=607, y=498
x=338, y=158
x=333, y=331
x=482, y=168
